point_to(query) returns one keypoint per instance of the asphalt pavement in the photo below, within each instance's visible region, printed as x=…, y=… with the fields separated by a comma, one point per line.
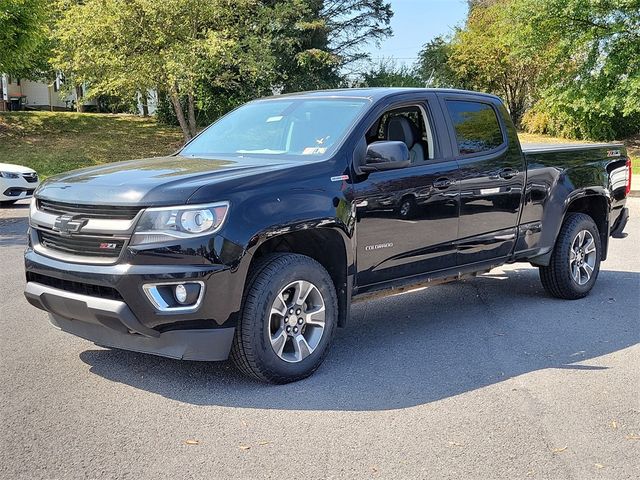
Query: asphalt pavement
x=481, y=379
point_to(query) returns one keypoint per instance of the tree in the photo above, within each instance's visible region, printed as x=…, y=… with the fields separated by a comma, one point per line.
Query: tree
x=388, y=74
x=486, y=56
x=433, y=65
x=320, y=38
x=208, y=55
x=23, y=37
x=125, y=47
x=591, y=53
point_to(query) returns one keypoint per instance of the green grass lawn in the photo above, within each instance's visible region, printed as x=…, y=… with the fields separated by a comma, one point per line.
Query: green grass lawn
x=57, y=142
x=54, y=142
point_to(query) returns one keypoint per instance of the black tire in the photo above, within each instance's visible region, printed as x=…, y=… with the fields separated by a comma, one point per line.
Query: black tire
x=407, y=208
x=7, y=203
x=251, y=351
x=556, y=278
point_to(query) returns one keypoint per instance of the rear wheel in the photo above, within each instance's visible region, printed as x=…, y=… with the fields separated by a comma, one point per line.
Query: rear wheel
x=288, y=318
x=575, y=261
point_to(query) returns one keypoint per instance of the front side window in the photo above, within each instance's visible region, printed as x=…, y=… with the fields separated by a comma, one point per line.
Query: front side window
x=408, y=125
x=295, y=128
x=476, y=125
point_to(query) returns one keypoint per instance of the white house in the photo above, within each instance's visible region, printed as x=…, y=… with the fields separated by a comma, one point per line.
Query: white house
x=18, y=94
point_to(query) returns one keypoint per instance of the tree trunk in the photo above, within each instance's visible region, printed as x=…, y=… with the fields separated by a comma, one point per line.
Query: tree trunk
x=177, y=108
x=192, y=116
x=79, y=102
x=144, y=100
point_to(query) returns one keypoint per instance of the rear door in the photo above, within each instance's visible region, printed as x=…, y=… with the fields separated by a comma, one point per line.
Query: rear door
x=491, y=176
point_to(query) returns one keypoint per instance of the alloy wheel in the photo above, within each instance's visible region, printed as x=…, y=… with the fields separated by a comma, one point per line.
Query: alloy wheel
x=582, y=257
x=296, y=321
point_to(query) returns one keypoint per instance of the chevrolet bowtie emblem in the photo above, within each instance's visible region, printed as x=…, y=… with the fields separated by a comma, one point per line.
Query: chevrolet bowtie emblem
x=66, y=224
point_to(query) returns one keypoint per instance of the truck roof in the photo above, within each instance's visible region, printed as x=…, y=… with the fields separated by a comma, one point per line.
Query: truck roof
x=378, y=93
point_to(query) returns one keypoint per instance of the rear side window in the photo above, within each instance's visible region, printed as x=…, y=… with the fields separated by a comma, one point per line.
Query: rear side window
x=477, y=127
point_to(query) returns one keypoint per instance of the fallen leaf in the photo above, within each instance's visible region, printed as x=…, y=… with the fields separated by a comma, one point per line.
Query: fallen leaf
x=192, y=442
x=245, y=447
x=531, y=473
x=558, y=450
x=244, y=423
x=598, y=465
x=455, y=444
x=614, y=424
x=264, y=443
x=374, y=469
x=633, y=436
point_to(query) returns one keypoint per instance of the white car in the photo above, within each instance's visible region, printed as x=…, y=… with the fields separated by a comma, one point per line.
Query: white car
x=16, y=183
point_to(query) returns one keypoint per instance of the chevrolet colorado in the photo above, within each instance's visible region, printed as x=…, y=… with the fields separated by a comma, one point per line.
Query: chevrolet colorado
x=253, y=239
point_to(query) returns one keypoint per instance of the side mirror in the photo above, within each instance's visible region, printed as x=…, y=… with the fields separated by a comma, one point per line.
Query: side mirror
x=386, y=155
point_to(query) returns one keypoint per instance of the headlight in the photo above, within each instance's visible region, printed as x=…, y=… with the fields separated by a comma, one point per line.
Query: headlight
x=9, y=175
x=164, y=224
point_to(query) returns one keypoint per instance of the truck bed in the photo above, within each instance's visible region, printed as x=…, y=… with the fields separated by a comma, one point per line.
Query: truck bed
x=546, y=147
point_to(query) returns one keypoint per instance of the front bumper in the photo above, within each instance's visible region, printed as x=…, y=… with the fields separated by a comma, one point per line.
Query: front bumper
x=110, y=323
x=107, y=305
x=17, y=188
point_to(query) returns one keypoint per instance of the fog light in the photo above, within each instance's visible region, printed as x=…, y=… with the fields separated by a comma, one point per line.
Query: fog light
x=178, y=297
x=181, y=293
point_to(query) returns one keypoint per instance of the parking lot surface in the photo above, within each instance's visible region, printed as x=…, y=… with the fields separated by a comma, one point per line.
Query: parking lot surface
x=480, y=379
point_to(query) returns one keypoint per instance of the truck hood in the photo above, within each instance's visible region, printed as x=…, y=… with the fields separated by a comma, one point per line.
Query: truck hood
x=153, y=181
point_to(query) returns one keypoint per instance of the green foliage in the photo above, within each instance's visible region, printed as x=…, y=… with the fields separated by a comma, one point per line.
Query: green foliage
x=388, y=74
x=23, y=37
x=485, y=56
x=207, y=56
x=591, y=49
x=572, y=65
x=433, y=65
x=122, y=47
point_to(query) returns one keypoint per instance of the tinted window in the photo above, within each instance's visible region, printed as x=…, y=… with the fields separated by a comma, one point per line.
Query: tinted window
x=477, y=127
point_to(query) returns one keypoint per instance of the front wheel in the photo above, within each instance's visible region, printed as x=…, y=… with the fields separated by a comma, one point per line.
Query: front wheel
x=575, y=261
x=407, y=208
x=288, y=318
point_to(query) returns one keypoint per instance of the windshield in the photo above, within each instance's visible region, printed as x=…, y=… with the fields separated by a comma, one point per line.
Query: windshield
x=293, y=128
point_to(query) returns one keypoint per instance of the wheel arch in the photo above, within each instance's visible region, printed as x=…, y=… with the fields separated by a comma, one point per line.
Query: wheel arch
x=592, y=202
x=596, y=205
x=328, y=246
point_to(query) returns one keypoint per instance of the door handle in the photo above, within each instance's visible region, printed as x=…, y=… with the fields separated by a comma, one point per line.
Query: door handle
x=508, y=173
x=442, y=183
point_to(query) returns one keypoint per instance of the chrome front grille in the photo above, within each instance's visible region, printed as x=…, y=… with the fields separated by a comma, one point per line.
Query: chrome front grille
x=94, y=234
x=82, y=245
x=30, y=177
x=88, y=211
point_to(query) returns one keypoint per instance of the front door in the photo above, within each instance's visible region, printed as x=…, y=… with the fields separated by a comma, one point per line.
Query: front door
x=407, y=219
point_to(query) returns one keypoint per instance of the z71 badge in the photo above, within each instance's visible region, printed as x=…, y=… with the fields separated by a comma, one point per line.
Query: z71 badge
x=613, y=153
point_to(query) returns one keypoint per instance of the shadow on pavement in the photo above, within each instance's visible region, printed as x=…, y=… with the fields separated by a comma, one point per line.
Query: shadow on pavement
x=416, y=348
x=13, y=230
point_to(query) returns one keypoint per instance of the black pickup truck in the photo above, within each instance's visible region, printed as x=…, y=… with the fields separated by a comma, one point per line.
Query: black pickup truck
x=253, y=240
